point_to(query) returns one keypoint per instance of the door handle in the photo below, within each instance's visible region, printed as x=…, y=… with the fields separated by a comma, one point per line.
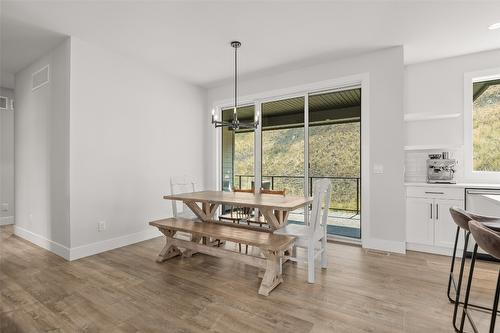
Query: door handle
x=437, y=211
x=433, y=192
x=431, y=210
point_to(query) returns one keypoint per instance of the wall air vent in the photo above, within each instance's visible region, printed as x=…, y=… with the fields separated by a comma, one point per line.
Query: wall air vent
x=3, y=103
x=40, y=78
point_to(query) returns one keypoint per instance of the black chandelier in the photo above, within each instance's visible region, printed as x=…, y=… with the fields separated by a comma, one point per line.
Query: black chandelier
x=234, y=124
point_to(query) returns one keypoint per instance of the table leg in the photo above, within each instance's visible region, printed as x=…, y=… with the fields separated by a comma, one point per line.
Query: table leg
x=205, y=213
x=189, y=253
x=275, y=218
x=272, y=277
x=169, y=250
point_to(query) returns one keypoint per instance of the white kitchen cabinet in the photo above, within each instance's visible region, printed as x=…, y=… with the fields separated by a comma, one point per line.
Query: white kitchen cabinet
x=420, y=222
x=429, y=226
x=444, y=227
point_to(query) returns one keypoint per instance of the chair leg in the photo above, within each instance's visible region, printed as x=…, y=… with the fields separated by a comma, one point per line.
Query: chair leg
x=460, y=278
x=495, y=305
x=310, y=263
x=457, y=234
x=324, y=255
x=467, y=292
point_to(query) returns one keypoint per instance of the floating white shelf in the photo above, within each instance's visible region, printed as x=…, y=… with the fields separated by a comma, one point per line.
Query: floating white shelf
x=432, y=147
x=429, y=116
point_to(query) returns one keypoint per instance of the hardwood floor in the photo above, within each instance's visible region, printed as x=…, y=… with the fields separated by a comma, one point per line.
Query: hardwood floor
x=125, y=290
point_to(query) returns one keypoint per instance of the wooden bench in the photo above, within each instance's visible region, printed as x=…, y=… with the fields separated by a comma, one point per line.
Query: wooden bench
x=272, y=246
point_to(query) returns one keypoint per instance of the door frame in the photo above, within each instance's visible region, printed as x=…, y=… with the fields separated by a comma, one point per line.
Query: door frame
x=342, y=83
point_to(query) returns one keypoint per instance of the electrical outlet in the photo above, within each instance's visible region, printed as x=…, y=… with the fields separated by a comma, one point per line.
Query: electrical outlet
x=5, y=207
x=101, y=226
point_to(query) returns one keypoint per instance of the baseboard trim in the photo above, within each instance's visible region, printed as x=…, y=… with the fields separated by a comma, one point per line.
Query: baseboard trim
x=112, y=243
x=444, y=251
x=43, y=242
x=88, y=249
x=6, y=220
x=384, y=245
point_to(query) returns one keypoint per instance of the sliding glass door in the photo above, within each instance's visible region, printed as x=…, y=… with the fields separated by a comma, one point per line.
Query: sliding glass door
x=299, y=140
x=335, y=154
x=282, y=153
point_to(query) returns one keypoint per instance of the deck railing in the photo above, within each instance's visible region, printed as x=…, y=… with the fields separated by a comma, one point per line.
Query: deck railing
x=345, y=190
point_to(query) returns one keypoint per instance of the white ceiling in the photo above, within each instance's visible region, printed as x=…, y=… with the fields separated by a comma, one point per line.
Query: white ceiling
x=191, y=39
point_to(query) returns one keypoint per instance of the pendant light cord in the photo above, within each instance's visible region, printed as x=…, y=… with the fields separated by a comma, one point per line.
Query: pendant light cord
x=235, y=79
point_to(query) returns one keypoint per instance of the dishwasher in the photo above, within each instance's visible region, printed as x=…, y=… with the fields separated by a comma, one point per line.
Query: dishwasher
x=482, y=202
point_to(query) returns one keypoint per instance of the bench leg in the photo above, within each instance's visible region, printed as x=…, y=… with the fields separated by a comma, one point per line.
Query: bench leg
x=272, y=277
x=169, y=250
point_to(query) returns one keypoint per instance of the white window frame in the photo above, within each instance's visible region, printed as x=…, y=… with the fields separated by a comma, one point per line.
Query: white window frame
x=469, y=79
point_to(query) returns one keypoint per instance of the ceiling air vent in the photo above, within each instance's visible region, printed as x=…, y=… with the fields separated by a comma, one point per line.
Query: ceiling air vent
x=40, y=77
x=3, y=103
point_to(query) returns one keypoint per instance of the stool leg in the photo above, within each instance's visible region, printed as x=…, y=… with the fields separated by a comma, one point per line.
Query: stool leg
x=460, y=278
x=467, y=292
x=457, y=234
x=495, y=305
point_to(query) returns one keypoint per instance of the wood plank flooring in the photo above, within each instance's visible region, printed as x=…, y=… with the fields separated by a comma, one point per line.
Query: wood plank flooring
x=125, y=290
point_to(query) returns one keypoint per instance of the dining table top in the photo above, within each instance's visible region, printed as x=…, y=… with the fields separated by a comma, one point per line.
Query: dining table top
x=254, y=200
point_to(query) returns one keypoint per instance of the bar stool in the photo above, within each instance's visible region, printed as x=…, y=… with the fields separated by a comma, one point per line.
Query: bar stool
x=461, y=219
x=489, y=240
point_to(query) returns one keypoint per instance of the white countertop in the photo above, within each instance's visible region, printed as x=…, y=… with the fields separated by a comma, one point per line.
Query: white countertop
x=457, y=185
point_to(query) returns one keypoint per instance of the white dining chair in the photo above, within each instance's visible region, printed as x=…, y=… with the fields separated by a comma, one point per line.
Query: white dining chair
x=182, y=184
x=312, y=237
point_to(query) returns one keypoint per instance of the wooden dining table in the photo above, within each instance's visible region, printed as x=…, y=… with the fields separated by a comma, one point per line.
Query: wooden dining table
x=274, y=208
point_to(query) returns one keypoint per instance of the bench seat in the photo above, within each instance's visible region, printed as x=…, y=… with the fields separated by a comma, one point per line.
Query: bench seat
x=272, y=246
x=260, y=239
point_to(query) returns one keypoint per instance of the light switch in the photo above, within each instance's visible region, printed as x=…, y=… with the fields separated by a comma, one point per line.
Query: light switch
x=378, y=169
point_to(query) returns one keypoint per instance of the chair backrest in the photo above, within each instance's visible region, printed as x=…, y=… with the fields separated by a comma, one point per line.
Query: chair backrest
x=460, y=217
x=244, y=190
x=276, y=192
x=181, y=184
x=320, y=205
x=486, y=238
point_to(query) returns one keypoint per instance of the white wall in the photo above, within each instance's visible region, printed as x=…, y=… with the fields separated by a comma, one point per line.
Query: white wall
x=7, y=159
x=438, y=87
x=386, y=71
x=132, y=128
x=7, y=80
x=42, y=153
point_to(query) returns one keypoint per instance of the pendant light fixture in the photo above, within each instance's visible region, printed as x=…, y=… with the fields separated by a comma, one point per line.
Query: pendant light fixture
x=234, y=124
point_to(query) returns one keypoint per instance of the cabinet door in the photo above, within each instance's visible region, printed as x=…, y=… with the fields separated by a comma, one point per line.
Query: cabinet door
x=445, y=229
x=419, y=221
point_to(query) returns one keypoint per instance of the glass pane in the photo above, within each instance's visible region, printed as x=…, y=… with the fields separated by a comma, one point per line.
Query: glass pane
x=486, y=126
x=238, y=151
x=335, y=153
x=283, y=148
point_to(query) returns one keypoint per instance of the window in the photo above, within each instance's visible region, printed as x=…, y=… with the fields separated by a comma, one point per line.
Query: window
x=482, y=126
x=486, y=126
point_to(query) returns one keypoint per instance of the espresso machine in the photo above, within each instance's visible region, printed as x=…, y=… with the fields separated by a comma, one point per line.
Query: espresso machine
x=441, y=169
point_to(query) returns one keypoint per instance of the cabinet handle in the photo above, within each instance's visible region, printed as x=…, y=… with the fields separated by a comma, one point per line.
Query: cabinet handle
x=432, y=192
x=437, y=211
x=431, y=210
